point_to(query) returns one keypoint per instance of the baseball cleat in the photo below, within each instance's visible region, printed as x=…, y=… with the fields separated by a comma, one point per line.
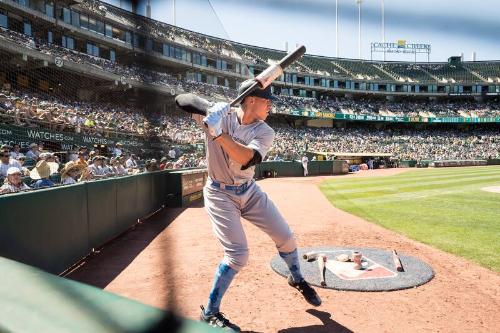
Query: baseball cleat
x=306, y=290
x=218, y=320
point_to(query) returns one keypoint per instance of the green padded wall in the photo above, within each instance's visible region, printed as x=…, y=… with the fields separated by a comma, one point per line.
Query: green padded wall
x=126, y=202
x=45, y=228
x=54, y=228
x=35, y=301
x=102, y=214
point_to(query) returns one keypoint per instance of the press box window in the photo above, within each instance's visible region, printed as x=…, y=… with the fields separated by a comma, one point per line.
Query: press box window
x=27, y=28
x=92, y=50
x=75, y=18
x=66, y=15
x=4, y=22
x=68, y=42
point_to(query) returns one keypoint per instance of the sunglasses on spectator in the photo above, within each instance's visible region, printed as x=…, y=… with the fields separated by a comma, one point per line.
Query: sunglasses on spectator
x=4, y=155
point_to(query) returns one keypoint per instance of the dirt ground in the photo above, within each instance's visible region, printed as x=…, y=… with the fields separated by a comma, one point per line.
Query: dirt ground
x=149, y=262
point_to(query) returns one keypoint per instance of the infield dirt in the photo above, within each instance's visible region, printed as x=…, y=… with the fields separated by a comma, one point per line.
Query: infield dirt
x=462, y=297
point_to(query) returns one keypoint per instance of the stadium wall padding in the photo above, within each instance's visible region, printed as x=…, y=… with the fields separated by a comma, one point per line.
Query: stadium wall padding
x=102, y=215
x=46, y=228
x=42, y=302
x=295, y=169
x=493, y=162
x=53, y=228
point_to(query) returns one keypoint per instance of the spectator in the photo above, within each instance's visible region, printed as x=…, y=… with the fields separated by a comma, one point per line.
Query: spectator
x=171, y=153
x=163, y=163
x=117, y=167
x=41, y=172
x=72, y=173
x=96, y=168
x=16, y=152
x=33, y=152
x=7, y=162
x=82, y=158
x=154, y=165
x=13, y=183
x=24, y=170
x=73, y=154
x=117, y=151
x=131, y=163
x=49, y=157
x=106, y=168
x=148, y=167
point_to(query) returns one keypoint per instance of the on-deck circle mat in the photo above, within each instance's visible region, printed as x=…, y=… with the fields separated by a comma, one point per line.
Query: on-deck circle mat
x=378, y=272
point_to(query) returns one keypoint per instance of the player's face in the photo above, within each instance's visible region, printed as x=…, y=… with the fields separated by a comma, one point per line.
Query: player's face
x=262, y=107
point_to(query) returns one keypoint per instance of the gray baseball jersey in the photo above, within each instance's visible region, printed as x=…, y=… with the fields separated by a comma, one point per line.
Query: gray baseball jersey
x=225, y=208
x=258, y=136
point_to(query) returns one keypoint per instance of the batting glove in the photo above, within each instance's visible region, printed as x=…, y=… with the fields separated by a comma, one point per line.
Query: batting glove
x=221, y=108
x=214, y=118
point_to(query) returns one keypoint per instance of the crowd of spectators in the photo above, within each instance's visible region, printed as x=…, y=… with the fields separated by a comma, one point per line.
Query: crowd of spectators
x=403, y=144
x=284, y=104
x=408, y=108
x=38, y=168
x=99, y=119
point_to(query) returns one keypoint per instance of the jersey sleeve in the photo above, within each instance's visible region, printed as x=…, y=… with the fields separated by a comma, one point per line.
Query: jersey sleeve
x=263, y=141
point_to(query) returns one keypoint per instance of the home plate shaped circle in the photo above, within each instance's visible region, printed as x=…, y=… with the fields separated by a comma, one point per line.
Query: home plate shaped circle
x=358, y=269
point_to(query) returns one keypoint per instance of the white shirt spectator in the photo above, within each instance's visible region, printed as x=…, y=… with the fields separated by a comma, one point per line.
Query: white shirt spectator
x=131, y=164
x=16, y=155
x=117, y=152
x=32, y=154
x=68, y=181
x=120, y=170
x=95, y=170
x=73, y=156
x=10, y=164
x=171, y=154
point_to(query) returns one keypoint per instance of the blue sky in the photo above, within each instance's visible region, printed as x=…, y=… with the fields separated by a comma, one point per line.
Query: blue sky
x=451, y=27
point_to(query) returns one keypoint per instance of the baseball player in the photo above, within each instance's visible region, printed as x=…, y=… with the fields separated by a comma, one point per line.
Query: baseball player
x=236, y=142
x=305, y=160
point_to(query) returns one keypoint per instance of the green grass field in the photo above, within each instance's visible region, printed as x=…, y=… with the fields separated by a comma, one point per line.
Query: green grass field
x=445, y=208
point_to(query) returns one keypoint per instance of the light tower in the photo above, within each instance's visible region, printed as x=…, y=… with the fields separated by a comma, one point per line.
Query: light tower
x=358, y=2
x=337, y=28
x=173, y=11
x=148, y=9
x=383, y=25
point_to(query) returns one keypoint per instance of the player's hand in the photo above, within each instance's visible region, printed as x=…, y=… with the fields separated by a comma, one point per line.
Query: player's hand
x=213, y=123
x=220, y=108
x=214, y=118
x=215, y=130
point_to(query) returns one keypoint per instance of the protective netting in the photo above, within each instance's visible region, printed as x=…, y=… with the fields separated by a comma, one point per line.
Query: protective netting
x=86, y=73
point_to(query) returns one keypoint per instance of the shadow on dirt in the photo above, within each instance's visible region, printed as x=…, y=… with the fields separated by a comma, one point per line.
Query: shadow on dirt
x=328, y=325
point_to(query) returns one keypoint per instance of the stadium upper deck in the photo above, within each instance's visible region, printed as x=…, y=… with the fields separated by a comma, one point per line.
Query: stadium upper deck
x=103, y=31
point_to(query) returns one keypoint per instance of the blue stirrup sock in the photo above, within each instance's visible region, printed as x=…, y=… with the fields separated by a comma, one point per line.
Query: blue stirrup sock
x=292, y=261
x=223, y=277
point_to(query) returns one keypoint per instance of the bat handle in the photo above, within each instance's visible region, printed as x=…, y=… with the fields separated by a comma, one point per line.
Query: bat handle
x=397, y=261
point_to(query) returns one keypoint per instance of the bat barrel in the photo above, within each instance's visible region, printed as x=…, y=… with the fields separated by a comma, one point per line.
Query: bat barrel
x=292, y=57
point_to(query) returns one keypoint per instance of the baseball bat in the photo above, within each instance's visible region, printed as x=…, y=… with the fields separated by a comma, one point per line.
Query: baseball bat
x=321, y=264
x=311, y=256
x=397, y=261
x=195, y=104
